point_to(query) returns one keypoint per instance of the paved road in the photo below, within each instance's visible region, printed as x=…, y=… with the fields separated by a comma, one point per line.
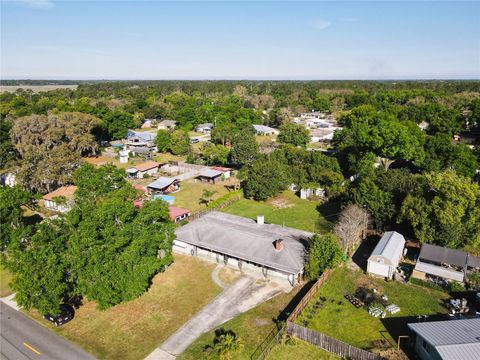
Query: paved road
x=239, y=297
x=24, y=339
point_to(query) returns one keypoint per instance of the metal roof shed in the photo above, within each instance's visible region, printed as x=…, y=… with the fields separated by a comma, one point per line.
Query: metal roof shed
x=442, y=255
x=386, y=255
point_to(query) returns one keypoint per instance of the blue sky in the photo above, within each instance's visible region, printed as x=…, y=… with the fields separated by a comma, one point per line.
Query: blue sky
x=239, y=40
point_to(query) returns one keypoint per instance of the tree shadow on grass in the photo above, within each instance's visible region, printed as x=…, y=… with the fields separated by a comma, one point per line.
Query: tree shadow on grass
x=330, y=210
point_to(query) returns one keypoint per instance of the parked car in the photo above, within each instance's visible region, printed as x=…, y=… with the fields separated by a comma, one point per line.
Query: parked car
x=194, y=140
x=65, y=315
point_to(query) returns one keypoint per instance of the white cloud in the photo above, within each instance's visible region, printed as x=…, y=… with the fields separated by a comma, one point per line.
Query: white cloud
x=320, y=24
x=34, y=4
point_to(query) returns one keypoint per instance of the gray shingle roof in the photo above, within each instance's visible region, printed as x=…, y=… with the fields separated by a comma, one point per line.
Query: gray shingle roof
x=443, y=255
x=453, y=339
x=210, y=173
x=244, y=239
x=161, y=183
x=390, y=245
x=264, y=129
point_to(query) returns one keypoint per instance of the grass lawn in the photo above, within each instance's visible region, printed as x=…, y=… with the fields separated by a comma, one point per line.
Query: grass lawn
x=252, y=327
x=286, y=209
x=190, y=193
x=5, y=278
x=228, y=275
x=133, y=329
x=341, y=320
x=299, y=350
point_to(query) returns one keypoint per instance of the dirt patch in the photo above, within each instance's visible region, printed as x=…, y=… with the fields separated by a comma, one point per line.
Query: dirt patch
x=280, y=203
x=99, y=160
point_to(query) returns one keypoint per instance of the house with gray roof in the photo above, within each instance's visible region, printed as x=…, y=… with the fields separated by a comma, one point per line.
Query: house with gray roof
x=265, y=130
x=385, y=257
x=246, y=244
x=210, y=175
x=204, y=128
x=140, y=138
x=447, y=340
x=163, y=185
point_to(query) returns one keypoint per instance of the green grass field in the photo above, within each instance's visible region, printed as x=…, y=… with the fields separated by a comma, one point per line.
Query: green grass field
x=5, y=278
x=341, y=320
x=299, y=350
x=190, y=194
x=286, y=209
x=133, y=329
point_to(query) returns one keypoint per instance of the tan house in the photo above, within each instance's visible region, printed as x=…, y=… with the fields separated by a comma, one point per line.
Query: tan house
x=139, y=171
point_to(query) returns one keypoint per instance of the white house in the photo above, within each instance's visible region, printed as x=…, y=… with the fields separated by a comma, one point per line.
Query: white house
x=204, y=128
x=265, y=130
x=141, y=138
x=385, y=257
x=60, y=199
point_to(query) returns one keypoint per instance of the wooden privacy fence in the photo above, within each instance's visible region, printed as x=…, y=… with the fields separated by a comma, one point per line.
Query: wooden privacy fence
x=309, y=295
x=329, y=344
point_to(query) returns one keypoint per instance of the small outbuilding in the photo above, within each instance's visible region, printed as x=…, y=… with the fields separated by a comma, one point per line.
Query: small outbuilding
x=227, y=172
x=178, y=214
x=163, y=185
x=139, y=171
x=385, y=257
x=210, y=176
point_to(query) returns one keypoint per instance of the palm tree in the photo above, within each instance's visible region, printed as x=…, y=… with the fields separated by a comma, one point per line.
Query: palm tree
x=225, y=343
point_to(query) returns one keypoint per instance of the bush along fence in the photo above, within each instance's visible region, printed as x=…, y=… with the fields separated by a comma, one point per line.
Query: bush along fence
x=220, y=203
x=321, y=340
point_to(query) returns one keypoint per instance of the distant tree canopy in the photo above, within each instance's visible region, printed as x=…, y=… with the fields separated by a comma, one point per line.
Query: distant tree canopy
x=50, y=147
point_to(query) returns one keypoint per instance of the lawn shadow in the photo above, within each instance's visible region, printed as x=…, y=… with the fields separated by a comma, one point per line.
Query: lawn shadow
x=360, y=256
x=398, y=326
x=330, y=210
x=285, y=313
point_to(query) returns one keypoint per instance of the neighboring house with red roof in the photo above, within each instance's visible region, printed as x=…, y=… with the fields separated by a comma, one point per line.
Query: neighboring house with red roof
x=139, y=171
x=178, y=214
x=61, y=199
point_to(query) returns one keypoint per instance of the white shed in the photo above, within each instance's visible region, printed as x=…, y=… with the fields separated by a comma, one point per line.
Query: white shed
x=385, y=257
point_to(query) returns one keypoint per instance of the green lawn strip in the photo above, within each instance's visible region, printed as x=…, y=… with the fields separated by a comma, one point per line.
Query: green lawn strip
x=341, y=320
x=5, y=278
x=133, y=329
x=252, y=327
x=296, y=213
x=299, y=349
x=190, y=194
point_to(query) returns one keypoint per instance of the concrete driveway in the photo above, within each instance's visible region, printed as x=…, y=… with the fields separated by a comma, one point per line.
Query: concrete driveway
x=244, y=294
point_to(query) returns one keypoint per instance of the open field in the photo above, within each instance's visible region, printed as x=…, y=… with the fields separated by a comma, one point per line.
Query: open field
x=35, y=88
x=5, y=278
x=341, y=320
x=190, y=193
x=286, y=209
x=133, y=329
x=252, y=327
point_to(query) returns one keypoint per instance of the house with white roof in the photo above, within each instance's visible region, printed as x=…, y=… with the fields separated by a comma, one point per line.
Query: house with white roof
x=265, y=130
x=447, y=340
x=385, y=257
x=140, y=138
